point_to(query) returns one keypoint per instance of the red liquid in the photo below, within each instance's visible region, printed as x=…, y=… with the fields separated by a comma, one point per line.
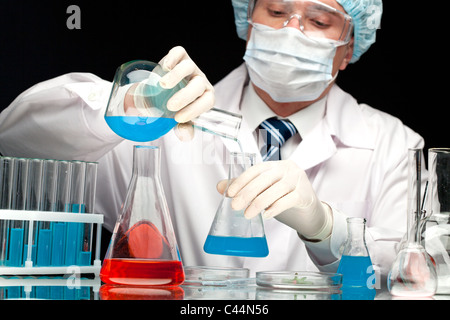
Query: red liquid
x=141, y=272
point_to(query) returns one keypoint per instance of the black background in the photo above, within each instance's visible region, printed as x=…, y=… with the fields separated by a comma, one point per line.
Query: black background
x=405, y=73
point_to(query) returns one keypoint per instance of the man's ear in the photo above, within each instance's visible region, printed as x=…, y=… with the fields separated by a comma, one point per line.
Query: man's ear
x=348, y=55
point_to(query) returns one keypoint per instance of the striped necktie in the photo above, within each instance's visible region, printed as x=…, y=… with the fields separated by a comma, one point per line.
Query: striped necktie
x=274, y=133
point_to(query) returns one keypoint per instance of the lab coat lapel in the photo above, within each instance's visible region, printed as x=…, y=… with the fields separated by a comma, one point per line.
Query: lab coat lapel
x=346, y=121
x=343, y=125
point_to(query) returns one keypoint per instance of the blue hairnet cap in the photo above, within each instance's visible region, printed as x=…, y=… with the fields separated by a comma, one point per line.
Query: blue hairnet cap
x=366, y=15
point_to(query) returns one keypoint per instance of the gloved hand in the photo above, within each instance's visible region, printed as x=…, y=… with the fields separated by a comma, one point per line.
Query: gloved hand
x=198, y=95
x=194, y=99
x=282, y=190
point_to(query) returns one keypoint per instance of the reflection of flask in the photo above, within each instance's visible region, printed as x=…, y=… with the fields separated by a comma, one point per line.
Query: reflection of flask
x=112, y=292
x=231, y=233
x=143, y=248
x=356, y=265
x=137, y=107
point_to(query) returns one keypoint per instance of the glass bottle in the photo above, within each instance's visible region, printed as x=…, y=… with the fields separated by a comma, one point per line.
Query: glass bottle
x=137, y=107
x=356, y=265
x=231, y=233
x=413, y=274
x=143, y=248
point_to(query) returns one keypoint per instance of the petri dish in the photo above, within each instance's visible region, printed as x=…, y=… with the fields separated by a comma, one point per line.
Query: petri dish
x=297, y=294
x=299, y=280
x=217, y=276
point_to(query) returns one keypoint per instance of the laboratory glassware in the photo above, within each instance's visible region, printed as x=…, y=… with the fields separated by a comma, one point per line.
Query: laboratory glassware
x=78, y=235
x=143, y=250
x=48, y=203
x=231, y=233
x=38, y=227
x=356, y=265
x=114, y=292
x=137, y=107
x=217, y=276
x=413, y=274
x=63, y=182
x=34, y=194
x=436, y=228
x=302, y=280
x=6, y=178
x=18, y=202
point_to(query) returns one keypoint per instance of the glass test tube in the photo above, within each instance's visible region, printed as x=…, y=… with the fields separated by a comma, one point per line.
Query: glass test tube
x=62, y=205
x=33, y=202
x=6, y=175
x=74, y=232
x=18, y=202
x=89, y=201
x=47, y=203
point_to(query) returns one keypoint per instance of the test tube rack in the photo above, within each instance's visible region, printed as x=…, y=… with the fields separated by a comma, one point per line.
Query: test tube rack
x=29, y=266
x=47, y=217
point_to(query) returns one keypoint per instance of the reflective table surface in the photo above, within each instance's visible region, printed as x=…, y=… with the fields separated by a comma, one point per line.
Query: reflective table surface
x=76, y=287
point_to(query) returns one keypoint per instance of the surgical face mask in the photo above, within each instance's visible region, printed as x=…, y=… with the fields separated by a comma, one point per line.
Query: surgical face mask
x=288, y=65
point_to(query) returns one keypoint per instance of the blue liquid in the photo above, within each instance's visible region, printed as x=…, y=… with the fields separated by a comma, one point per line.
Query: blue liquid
x=58, y=237
x=16, y=247
x=44, y=247
x=356, y=271
x=236, y=246
x=140, y=129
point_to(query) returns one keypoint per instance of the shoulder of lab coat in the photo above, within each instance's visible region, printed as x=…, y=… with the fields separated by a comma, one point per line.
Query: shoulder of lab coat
x=361, y=126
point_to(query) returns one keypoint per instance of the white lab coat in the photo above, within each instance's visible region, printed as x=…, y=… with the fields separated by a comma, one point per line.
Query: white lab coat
x=355, y=158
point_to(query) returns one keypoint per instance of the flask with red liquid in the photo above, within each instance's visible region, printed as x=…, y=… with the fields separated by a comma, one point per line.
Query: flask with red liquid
x=143, y=250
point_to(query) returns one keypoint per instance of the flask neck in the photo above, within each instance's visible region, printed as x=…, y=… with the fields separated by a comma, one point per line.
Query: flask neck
x=356, y=243
x=414, y=195
x=239, y=162
x=146, y=161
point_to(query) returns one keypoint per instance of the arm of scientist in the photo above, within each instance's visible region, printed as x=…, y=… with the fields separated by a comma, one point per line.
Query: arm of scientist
x=63, y=117
x=282, y=190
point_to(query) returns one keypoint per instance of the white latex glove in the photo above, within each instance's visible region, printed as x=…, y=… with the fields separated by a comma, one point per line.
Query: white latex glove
x=194, y=99
x=198, y=95
x=281, y=189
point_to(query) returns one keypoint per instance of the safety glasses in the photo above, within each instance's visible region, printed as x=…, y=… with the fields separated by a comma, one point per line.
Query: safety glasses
x=314, y=18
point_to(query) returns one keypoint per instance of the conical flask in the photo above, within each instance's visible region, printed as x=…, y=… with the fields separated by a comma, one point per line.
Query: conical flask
x=413, y=274
x=356, y=265
x=143, y=248
x=231, y=233
x=137, y=107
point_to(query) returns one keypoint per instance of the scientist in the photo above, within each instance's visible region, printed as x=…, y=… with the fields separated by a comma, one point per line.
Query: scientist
x=343, y=159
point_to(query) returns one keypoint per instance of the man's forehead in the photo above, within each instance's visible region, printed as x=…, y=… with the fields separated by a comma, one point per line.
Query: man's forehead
x=331, y=3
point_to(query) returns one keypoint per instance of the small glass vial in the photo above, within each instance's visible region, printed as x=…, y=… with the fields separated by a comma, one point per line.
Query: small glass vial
x=356, y=265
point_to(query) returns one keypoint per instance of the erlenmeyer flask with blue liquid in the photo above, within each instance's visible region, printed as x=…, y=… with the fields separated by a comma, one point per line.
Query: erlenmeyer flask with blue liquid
x=356, y=265
x=137, y=107
x=231, y=233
